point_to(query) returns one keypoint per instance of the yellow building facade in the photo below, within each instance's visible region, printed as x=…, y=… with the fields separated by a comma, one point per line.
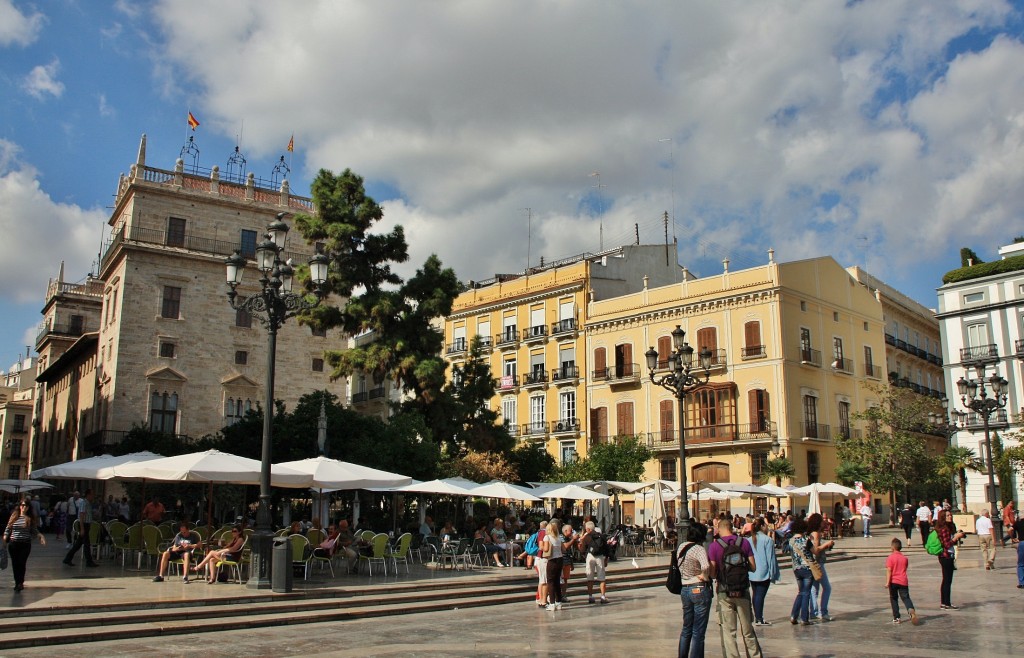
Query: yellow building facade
x=529, y=328
x=792, y=345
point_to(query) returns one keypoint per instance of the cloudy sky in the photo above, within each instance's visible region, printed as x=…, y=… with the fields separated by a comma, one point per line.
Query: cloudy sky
x=884, y=133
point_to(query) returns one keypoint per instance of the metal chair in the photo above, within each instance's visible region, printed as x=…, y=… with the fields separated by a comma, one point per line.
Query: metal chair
x=378, y=544
x=235, y=565
x=301, y=553
x=401, y=553
x=118, y=531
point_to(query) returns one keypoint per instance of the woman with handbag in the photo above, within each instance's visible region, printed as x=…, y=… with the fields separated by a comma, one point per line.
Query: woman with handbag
x=948, y=536
x=21, y=528
x=803, y=559
x=819, y=549
x=766, y=569
x=697, y=591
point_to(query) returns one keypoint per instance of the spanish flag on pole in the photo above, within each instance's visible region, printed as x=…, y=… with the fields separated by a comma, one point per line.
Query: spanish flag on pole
x=193, y=122
x=291, y=143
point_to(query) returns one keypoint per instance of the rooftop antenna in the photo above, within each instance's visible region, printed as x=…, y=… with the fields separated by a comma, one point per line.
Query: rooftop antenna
x=600, y=206
x=529, y=239
x=672, y=178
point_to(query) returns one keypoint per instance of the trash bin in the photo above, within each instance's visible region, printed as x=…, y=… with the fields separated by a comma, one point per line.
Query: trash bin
x=281, y=566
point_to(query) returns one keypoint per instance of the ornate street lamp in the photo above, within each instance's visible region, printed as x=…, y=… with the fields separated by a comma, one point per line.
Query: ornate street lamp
x=680, y=380
x=272, y=304
x=974, y=396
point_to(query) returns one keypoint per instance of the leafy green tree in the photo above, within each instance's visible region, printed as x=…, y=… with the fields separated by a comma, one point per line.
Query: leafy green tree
x=622, y=459
x=849, y=472
x=891, y=450
x=480, y=467
x=968, y=257
x=955, y=462
x=779, y=468
x=532, y=464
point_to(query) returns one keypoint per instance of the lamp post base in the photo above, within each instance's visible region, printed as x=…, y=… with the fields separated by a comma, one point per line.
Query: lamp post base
x=260, y=572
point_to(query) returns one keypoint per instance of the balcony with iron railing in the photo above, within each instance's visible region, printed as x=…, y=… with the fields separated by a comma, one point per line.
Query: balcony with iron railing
x=458, y=347
x=848, y=433
x=564, y=328
x=810, y=357
x=508, y=383
x=753, y=352
x=818, y=431
x=565, y=375
x=566, y=425
x=69, y=330
x=623, y=373
x=507, y=340
x=376, y=392
x=664, y=440
x=843, y=365
x=193, y=243
x=873, y=371
x=998, y=420
x=979, y=354
x=535, y=378
x=512, y=429
x=535, y=334
x=486, y=343
x=535, y=428
x=718, y=359
x=361, y=396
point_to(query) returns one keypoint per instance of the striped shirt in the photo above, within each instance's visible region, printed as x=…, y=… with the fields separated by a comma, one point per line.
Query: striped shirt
x=20, y=530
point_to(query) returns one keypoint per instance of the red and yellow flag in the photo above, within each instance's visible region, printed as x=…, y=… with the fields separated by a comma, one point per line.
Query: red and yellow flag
x=291, y=144
x=193, y=122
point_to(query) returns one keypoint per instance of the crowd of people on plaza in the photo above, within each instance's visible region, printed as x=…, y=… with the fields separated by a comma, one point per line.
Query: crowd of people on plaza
x=728, y=564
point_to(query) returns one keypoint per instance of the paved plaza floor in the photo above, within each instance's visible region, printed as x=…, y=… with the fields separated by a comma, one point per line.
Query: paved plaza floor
x=644, y=622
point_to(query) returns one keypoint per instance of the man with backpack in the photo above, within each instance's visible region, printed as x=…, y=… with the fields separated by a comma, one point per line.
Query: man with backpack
x=595, y=546
x=732, y=560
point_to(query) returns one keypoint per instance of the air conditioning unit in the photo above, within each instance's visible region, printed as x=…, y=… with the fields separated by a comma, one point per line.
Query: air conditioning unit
x=560, y=427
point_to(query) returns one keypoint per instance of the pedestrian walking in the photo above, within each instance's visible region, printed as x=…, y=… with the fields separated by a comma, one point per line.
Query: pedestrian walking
x=732, y=559
x=84, y=514
x=695, y=570
x=21, y=528
x=800, y=614
x=986, y=538
x=1018, y=528
x=593, y=544
x=1009, y=516
x=766, y=569
x=865, y=514
x=907, y=521
x=948, y=537
x=924, y=522
x=822, y=587
x=898, y=584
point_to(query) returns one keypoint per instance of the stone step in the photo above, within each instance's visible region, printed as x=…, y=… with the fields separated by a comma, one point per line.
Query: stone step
x=258, y=612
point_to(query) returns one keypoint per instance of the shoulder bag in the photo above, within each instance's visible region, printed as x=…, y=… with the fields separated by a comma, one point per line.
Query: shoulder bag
x=674, y=582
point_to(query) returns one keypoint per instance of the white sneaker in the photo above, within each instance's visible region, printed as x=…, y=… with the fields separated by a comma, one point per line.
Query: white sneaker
x=551, y=607
x=558, y=605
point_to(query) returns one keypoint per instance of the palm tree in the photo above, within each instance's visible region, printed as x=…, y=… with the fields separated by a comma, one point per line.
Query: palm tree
x=779, y=468
x=850, y=472
x=955, y=462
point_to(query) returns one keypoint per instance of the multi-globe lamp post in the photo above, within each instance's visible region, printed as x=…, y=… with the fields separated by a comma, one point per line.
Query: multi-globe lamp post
x=680, y=379
x=974, y=396
x=272, y=304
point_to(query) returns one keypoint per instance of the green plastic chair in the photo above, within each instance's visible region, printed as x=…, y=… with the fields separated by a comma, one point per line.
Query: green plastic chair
x=379, y=544
x=401, y=553
x=151, y=540
x=118, y=531
x=301, y=553
x=135, y=539
x=234, y=565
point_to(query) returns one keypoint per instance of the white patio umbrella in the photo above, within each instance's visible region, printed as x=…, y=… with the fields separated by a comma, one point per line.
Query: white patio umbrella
x=437, y=487
x=210, y=466
x=333, y=474
x=748, y=490
x=18, y=486
x=815, y=489
x=604, y=511
x=92, y=468
x=499, y=489
x=573, y=492
x=658, y=515
x=712, y=494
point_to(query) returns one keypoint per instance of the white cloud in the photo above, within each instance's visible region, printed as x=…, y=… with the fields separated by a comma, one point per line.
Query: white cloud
x=106, y=110
x=42, y=80
x=814, y=127
x=71, y=232
x=17, y=27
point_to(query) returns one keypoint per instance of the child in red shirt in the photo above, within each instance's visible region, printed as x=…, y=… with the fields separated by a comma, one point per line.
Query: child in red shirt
x=897, y=583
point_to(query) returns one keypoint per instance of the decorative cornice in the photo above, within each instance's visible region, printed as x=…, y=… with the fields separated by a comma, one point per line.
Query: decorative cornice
x=679, y=311
x=515, y=300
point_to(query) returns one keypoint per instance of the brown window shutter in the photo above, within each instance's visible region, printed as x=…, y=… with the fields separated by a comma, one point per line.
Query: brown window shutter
x=624, y=419
x=707, y=338
x=600, y=363
x=664, y=349
x=627, y=360
x=752, y=334
x=667, y=416
x=599, y=423
x=754, y=409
